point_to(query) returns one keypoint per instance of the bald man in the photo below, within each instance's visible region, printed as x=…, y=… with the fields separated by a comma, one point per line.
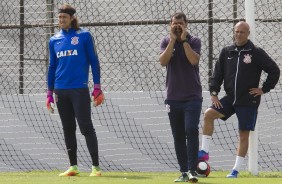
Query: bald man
x=239, y=69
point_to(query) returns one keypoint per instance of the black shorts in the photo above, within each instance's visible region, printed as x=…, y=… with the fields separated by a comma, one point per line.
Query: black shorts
x=246, y=115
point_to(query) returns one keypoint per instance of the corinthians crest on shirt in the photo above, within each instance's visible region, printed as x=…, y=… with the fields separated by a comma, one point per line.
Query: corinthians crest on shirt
x=247, y=58
x=74, y=40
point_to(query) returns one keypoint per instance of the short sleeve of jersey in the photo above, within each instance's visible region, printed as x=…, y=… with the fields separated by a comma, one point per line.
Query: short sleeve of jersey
x=196, y=44
x=163, y=44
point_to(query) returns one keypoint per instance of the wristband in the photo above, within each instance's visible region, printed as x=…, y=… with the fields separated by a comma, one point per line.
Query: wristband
x=97, y=86
x=49, y=93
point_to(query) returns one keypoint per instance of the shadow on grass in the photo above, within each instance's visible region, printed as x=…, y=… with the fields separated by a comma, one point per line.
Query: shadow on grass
x=128, y=177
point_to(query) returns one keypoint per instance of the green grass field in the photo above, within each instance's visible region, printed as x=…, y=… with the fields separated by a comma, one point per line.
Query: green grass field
x=133, y=178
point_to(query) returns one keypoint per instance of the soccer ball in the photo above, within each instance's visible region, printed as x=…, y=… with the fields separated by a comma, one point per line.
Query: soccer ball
x=203, y=168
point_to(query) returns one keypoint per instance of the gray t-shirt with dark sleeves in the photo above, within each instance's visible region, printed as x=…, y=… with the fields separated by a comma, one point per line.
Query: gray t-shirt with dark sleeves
x=183, y=79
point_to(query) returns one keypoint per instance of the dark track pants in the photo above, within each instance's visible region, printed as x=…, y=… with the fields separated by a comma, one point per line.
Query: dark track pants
x=75, y=104
x=184, y=121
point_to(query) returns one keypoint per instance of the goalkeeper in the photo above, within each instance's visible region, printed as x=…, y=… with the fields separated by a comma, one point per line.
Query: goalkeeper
x=239, y=68
x=180, y=54
x=72, y=52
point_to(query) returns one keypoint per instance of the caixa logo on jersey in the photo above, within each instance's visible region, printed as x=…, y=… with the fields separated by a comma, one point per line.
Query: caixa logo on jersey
x=67, y=53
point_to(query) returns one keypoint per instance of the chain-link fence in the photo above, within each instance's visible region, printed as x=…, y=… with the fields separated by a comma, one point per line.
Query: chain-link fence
x=127, y=35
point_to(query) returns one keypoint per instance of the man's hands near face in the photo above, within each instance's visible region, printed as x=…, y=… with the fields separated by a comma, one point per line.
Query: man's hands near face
x=178, y=31
x=184, y=32
x=173, y=35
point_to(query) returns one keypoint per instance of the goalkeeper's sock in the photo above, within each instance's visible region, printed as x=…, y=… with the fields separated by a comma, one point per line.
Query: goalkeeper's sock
x=96, y=171
x=72, y=171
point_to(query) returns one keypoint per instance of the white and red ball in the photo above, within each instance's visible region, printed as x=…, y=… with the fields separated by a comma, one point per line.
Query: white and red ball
x=203, y=168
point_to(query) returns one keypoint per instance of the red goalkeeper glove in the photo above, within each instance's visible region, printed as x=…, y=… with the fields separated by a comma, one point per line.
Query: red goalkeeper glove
x=98, y=96
x=50, y=101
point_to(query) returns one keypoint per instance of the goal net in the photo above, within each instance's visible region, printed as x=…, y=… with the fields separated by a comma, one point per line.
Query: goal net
x=132, y=125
